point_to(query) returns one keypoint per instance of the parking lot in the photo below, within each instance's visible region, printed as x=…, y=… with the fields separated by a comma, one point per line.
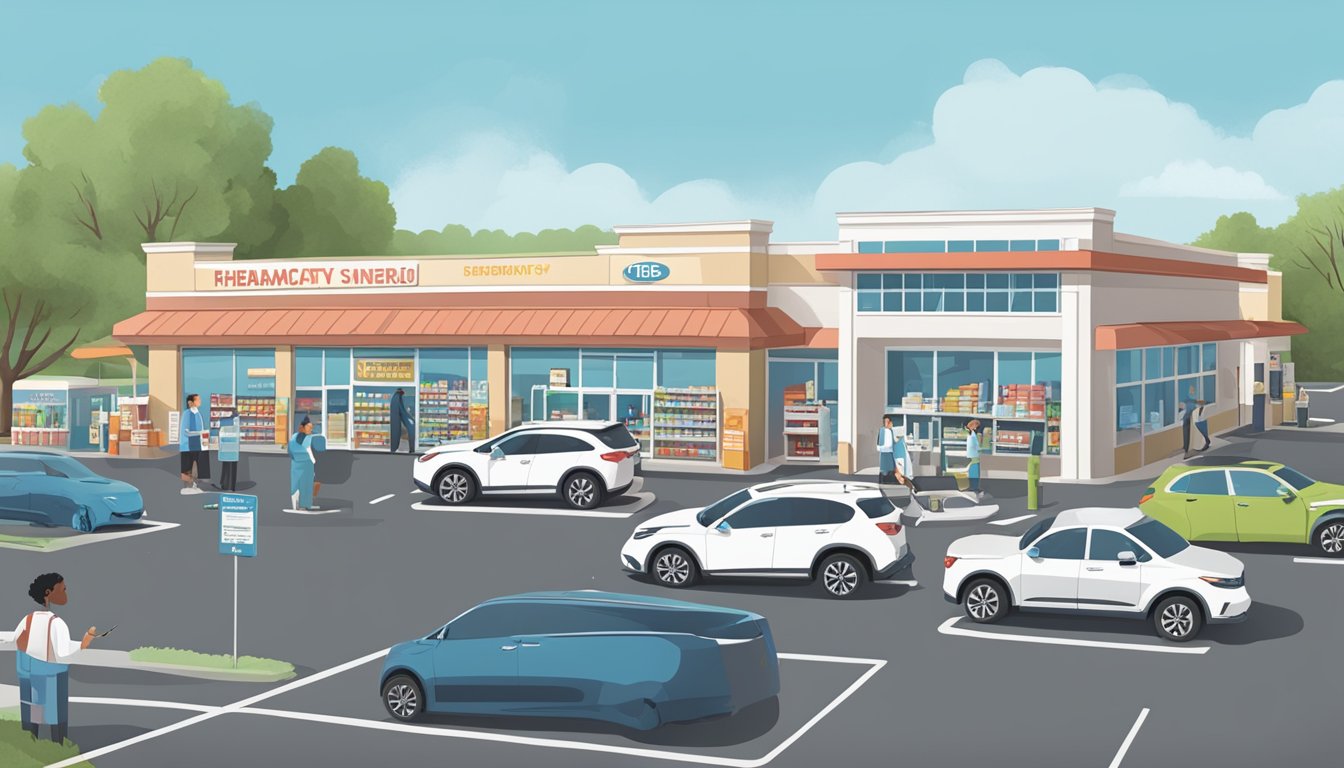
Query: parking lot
x=895, y=675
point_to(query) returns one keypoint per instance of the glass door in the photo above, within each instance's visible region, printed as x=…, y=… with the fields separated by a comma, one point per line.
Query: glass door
x=632, y=409
x=597, y=405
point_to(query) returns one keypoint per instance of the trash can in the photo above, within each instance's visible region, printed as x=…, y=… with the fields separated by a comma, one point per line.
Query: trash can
x=1033, y=483
x=1302, y=414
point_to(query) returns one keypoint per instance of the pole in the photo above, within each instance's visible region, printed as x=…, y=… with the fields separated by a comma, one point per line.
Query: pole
x=235, y=612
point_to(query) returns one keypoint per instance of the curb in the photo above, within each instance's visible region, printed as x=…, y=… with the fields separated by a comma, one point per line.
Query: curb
x=122, y=660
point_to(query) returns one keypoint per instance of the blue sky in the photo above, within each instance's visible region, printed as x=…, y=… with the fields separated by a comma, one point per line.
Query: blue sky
x=528, y=114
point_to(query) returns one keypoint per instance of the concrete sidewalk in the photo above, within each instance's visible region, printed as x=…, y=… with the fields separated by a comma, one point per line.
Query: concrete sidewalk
x=100, y=657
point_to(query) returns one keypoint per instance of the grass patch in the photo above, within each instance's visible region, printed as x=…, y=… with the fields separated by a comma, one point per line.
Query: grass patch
x=18, y=748
x=220, y=661
x=27, y=542
x=9, y=713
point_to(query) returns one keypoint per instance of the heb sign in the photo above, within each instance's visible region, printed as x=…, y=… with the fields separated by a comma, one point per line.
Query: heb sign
x=646, y=272
x=316, y=274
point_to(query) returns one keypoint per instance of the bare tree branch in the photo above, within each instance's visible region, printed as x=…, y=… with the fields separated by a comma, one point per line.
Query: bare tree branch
x=49, y=359
x=178, y=217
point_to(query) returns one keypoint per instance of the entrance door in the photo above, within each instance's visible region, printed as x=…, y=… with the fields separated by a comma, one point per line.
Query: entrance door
x=336, y=407
x=632, y=410
x=596, y=406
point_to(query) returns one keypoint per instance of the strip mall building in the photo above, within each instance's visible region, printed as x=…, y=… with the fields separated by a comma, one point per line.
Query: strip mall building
x=715, y=344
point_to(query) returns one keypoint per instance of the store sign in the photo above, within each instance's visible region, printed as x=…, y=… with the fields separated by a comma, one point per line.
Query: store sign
x=320, y=274
x=237, y=525
x=261, y=373
x=539, y=269
x=385, y=370
x=646, y=272
x=39, y=397
x=559, y=377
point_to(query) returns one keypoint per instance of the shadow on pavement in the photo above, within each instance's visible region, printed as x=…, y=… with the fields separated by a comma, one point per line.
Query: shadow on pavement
x=91, y=737
x=1265, y=622
x=799, y=589
x=1263, y=548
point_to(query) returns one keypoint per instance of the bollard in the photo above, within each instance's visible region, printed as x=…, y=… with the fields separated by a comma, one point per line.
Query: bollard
x=1033, y=483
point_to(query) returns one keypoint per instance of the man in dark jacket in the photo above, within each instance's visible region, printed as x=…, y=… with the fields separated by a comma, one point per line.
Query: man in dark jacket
x=401, y=415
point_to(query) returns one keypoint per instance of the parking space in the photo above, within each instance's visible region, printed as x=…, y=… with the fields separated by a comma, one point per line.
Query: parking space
x=33, y=538
x=630, y=503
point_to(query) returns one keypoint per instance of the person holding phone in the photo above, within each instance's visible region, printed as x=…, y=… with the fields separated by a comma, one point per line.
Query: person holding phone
x=43, y=645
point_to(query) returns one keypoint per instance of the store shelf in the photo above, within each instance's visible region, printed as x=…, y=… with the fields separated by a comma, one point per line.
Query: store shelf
x=677, y=412
x=980, y=416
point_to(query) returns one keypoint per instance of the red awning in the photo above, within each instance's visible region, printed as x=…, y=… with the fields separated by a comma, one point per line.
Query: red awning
x=725, y=328
x=1139, y=335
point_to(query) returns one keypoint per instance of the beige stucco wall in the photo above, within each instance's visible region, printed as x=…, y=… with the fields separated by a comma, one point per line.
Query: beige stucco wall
x=497, y=374
x=170, y=272
x=165, y=385
x=284, y=387
x=740, y=377
x=1128, y=457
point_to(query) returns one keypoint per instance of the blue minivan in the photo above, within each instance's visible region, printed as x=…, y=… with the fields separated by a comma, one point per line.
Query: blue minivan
x=626, y=659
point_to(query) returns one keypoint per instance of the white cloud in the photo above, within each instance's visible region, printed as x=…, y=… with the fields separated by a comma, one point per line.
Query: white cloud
x=1047, y=137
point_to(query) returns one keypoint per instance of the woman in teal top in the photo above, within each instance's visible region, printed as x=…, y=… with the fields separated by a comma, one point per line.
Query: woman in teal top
x=973, y=455
x=302, y=466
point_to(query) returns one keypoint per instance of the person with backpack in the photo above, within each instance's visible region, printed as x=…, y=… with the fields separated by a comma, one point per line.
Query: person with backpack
x=43, y=644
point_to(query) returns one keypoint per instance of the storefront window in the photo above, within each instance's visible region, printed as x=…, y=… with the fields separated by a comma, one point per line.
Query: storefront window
x=599, y=370
x=1160, y=401
x=337, y=367
x=963, y=369
x=1187, y=359
x=682, y=368
x=957, y=292
x=530, y=376
x=1015, y=368
x=1209, y=358
x=308, y=367
x=1128, y=366
x=379, y=373
x=1128, y=407
x=634, y=371
x=908, y=373
x=1168, y=375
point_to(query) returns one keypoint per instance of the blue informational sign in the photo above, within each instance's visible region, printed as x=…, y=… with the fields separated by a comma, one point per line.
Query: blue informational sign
x=237, y=525
x=646, y=272
x=230, y=442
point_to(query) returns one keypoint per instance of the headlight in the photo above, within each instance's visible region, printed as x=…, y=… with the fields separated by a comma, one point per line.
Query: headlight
x=1218, y=581
x=644, y=533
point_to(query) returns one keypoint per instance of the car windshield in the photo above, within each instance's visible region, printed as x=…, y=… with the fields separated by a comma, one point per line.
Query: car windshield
x=722, y=507
x=1034, y=532
x=1294, y=478
x=66, y=467
x=616, y=437
x=1158, y=537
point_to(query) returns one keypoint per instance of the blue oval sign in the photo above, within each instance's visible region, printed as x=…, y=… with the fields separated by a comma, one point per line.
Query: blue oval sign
x=646, y=272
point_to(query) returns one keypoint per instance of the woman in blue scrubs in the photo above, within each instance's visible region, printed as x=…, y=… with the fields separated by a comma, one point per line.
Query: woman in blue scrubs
x=302, y=466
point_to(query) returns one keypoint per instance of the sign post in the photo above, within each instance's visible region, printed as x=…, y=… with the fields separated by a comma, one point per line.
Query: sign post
x=237, y=537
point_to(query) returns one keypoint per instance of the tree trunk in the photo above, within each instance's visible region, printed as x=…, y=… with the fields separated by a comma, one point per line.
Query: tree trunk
x=6, y=407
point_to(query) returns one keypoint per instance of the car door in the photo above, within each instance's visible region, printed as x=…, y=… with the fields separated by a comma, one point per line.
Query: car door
x=809, y=526
x=1107, y=583
x=748, y=545
x=1266, y=508
x=562, y=663
x=476, y=662
x=555, y=455
x=1208, y=505
x=509, y=472
x=18, y=477
x=1050, y=580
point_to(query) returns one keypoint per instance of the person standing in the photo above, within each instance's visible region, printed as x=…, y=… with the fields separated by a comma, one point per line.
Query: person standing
x=900, y=454
x=229, y=439
x=973, y=455
x=193, y=442
x=886, y=447
x=302, y=467
x=1187, y=416
x=401, y=416
x=43, y=643
x=1202, y=424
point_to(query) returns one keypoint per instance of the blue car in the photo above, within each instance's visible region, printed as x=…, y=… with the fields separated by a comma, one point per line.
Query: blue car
x=635, y=661
x=51, y=489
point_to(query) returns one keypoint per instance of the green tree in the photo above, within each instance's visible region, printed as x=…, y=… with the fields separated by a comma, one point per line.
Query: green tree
x=455, y=238
x=331, y=210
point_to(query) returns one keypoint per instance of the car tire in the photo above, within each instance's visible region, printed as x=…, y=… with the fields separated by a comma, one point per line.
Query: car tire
x=403, y=698
x=986, y=601
x=82, y=521
x=455, y=486
x=674, y=567
x=1329, y=538
x=1178, y=619
x=582, y=490
x=841, y=576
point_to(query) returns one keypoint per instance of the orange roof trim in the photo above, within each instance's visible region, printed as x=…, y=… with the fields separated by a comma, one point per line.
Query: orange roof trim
x=1139, y=335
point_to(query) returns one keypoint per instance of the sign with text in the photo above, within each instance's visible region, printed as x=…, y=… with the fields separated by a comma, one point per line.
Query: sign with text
x=174, y=427
x=230, y=442
x=536, y=269
x=385, y=370
x=237, y=525
x=318, y=274
x=646, y=272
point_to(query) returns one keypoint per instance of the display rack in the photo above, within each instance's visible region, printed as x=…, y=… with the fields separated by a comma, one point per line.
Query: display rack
x=310, y=406
x=219, y=406
x=373, y=419
x=686, y=423
x=445, y=412
x=256, y=419
x=807, y=432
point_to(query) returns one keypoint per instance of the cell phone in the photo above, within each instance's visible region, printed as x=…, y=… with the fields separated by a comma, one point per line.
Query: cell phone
x=108, y=632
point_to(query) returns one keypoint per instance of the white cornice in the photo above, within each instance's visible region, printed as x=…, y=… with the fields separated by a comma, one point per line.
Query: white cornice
x=672, y=250
x=209, y=250
x=705, y=227
x=1042, y=216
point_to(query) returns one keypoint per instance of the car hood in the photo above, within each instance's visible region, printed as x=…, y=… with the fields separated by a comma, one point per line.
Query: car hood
x=983, y=545
x=1208, y=562
x=104, y=486
x=682, y=518
x=456, y=447
x=1323, y=494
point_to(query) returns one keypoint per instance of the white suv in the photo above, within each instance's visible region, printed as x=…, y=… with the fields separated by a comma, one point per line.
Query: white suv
x=1100, y=562
x=842, y=534
x=585, y=462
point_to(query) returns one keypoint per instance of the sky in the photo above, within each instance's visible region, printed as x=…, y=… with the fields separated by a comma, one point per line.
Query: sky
x=525, y=115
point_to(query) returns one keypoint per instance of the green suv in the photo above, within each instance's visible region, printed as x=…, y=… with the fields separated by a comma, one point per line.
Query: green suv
x=1250, y=501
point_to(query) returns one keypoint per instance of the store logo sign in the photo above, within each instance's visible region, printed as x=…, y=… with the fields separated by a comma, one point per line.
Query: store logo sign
x=385, y=370
x=646, y=272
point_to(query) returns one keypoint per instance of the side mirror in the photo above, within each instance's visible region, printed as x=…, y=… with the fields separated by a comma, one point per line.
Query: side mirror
x=723, y=527
x=496, y=453
x=1287, y=495
x=1034, y=553
x=1127, y=558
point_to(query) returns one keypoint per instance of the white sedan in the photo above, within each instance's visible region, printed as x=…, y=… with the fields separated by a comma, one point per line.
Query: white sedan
x=1100, y=562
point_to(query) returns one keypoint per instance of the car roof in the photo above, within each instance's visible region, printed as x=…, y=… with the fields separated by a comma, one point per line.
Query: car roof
x=598, y=597
x=35, y=454
x=815, y=487
x=583, y=425
x=1119, y=517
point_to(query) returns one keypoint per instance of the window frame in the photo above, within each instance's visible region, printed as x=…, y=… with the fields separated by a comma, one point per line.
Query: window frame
x=1167, y=359
x=893, y=292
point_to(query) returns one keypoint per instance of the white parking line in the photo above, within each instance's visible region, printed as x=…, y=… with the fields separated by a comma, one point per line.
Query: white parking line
x=79, y=540
x=381, y=499
x=1011, y=520
x=645, y=499
x=947, y=628
x=1134, y=731
x=1320, y=420
x=1318, y=561
x=144, y=703
x=1336, y=389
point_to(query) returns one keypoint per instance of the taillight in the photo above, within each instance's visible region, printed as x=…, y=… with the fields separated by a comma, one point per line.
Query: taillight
x=425, y=457
x=1147, y=496
x=891, y=529
x=948, y=561
x=616, y=456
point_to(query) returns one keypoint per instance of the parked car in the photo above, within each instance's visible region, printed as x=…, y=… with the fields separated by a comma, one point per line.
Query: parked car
x=625, y=659
x=1251, y=501
x=584, y=462
x=53, y=489
x=1096, y=561
x=841, y=534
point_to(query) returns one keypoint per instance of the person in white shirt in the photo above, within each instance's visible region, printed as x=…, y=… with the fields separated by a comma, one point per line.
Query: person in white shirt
x=893, y=457
x=43, y=644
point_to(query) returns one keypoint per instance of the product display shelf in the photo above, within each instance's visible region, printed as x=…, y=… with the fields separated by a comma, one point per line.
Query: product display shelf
x=806, y=432
x=256, y=419
x=373, y=419
x=685, y=424
x=445, y=413
x=219, y=406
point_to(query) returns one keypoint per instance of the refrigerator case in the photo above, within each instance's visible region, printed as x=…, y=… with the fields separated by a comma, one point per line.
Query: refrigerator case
x=373, y=419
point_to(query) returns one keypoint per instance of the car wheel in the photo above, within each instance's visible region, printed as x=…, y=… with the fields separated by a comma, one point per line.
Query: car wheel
x=841, y=576
x=674, y=567
x=1177, y=619
x=1330, y=539
x=403, y=698
x=456, y=487
x=986, y=601
x=82, y=521
x=582, y=490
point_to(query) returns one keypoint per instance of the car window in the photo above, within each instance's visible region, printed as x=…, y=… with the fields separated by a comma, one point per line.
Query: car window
x=580, y=618
x=709, y=515
x=1181, y=484
x=1294, y=478
x=816, y=512
x=1106, y=545
x=1211, y=483
x=1257, y=484
x=616, y=437
x=878, y=506
x=560, y=444
x=1157, y=537
x=502, y=620
x=1065, y=545
x=8, y=464
x=1034, y=531
x=518, y=444
x=765, y=513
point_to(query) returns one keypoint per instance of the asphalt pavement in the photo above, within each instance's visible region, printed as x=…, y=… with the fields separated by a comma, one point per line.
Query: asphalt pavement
x=892, y=677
